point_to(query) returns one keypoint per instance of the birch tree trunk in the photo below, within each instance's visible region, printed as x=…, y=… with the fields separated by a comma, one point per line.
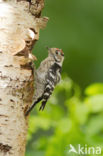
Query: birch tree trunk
x=20, y=23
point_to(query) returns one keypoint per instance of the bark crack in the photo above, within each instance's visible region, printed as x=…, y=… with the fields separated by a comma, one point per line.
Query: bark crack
x=5, y=148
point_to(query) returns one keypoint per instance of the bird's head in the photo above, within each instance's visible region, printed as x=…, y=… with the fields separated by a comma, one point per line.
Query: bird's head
x=57, y=55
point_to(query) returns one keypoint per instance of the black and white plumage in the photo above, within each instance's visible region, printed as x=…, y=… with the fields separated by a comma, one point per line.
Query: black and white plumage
x=47, y=76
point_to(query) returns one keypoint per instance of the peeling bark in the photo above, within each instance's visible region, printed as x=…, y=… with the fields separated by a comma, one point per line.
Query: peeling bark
x=20, y=23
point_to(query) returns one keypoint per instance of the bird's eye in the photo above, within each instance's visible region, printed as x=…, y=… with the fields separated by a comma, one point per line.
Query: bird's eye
x=56, y=52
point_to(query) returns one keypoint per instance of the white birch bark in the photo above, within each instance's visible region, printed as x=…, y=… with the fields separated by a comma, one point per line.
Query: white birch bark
x=20, y=22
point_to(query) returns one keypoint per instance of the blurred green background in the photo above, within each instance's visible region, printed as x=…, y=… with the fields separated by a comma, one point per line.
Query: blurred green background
x=74, y=114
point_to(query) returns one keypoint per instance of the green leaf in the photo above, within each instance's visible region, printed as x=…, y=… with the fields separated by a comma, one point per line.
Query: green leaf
x=95, y=103
x=95, y=125
x=94, y=89
x=64, y=125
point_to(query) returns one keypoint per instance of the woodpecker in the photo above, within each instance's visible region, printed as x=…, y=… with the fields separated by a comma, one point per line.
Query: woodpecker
x=47, y=76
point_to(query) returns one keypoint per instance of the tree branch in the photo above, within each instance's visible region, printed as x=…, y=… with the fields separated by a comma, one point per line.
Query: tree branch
x=20, y=23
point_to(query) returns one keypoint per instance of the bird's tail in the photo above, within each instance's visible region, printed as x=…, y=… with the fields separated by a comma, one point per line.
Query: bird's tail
x=32, y=106
x=47, y=93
